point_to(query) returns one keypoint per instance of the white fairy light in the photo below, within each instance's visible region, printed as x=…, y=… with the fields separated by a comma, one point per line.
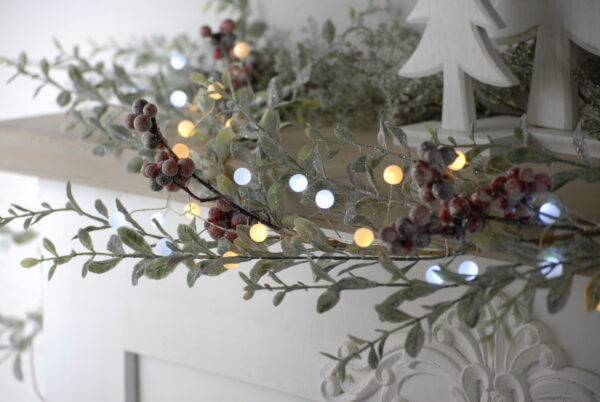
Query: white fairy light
x=162, y=248
x=554, y=270
x=298, y=183
x=324, y=199
x=116, y=220
x=242, y=176
x=178, y=98
x=178, y=61
x=549, y=213
x=432, y=275
x=468, y=268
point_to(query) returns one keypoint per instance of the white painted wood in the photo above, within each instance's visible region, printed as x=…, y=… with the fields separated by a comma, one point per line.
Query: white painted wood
x=557, y=25
x=522, y=363
x=456, y=43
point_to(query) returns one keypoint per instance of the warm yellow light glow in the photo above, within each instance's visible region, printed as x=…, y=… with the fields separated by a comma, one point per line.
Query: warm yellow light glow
x=258, y=232
x=185, y=128
x=191, y=210
x=241, y=50
x=230, y=254
x=393, y=175
x=364, y=237
x=228, y=122
x=212, y=91
x=598, y=307
x=459, y=162
x=181, y=150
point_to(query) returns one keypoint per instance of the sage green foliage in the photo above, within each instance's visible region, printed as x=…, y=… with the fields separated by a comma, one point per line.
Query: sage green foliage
x=338, y=268
x=16, y=338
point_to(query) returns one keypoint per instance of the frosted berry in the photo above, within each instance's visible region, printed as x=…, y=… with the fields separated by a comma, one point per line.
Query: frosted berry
x=231, y=235
x=223, y=205
x=227, y=41
x=163, y=179
x=405, y=228
x=448, y=155
x=456, y=207
x=150, y=170
x=424, y=147
x=170, y=167
x=422, y=240
x=150, y=110
x=138, y=106
x=426, y=193
x=215, y=215
x=442, y=190
x=142, y=123
x=172, y=188
x=227, y=26
x=388, y=234
x=396, y=248
x=514, y=189
x=526, y=175
x=434, y=157
x=180, y=180
x=205, y=31
x=513, y=173
x=217, y=53
x=542, y=184
x=151, y=141
x=498, y=184
x=186, y=166
x=161, y=156
x=128, y=121
x=154, y=186
x=215, y=231
x=475, y=225
x=238, y=219
x=419, y=215
x=421, y=173
x=498, y=205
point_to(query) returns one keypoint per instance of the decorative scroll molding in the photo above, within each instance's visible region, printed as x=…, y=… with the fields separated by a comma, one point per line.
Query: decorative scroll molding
x=455, y=366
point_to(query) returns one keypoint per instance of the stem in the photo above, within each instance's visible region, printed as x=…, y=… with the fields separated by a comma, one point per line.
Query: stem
x=34, y=376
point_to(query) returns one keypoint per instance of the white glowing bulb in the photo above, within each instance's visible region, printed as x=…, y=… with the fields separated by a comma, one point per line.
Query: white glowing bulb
x=161, y=218
x=258, y=232
x=468, y=268
x=178, y=61
x=116, y=220
x=552, y=271
x=178, y=98
x=549, y=213
x=162, y=248
x=432, y=275
x=298, y=183
x=324, y=199
x=242, y=176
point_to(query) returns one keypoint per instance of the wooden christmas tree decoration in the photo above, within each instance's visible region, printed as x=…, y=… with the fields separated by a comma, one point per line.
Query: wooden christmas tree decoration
x=456, y=43
x=553, y=100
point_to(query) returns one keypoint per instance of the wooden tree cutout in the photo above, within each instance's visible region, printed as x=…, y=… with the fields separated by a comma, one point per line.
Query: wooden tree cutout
x=456, y=43
x=553, y=100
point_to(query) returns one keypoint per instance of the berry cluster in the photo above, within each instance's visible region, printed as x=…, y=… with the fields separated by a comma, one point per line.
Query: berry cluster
x=223, y=220
x=222, y=41
x=508, y=196
x=167, y=170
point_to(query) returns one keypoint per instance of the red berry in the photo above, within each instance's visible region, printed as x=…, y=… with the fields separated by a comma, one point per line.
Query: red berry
x=217, y=53
x=523, y=211
x=231, y=235
x=151, y=141
x=405, y=228
x=542, y=184
x=142, y=123
x=173, y=187
x=421, y=173
x=426, y=193
x=223, y=205
x=214, y=231
x=170, y=167
x=239, y=219
x=138, y=106
x=514, y=189
x=155, y=186
x=445, y=216
x=498, y=184
x=128, y=121
x=396, y=248
x=419, y=215
x=498, y=205
x=442, y=190
x=150, y=110
x=475, y=225
x=180, y=180
x=513, y=173
x=215, y=215
x=186, y=166
x=150, y=170
x=227, y=26
x=434, y=224
x=388, y=234
x=526, y=174
x=409, y=247
x=456, y=207
x=205, y=31
x=161, y=156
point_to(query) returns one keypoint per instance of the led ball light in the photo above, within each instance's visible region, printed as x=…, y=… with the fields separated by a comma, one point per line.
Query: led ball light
x=364, y=237
x=185, y=128
x=192, y=210
x=432, y=275
x=231, y=265
x=178, y=98
x=469, y=269
x=116, y=220
x=258, y=232
x=242, y=176
x=161, y=218
x=393, y=175
x=212, y=91
x=549, y=213
x=298, y=183
x=178, y=61
x=459, y=162
x=241, y=50
x=552, y=271
x=324, y=199
x=181, y=150
x=228, y=122
x=162, y=248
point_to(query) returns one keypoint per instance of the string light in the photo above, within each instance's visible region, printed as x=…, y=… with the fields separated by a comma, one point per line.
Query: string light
x=298, y=183
x=241, y=50
x=178, y=61
x=161, y=218
x=598, y=307
x=212, y=92
x=191, y=210
x=181, y=150
x=185, y=128
x=242, y=176
x=554, y=270
x=178, y=98
x=432, y=275
x=393, y=175
x=228, y=122
x=324, y=199
x=231, y=265
x=364, y=237
x=258, y=232
x=162, y=248
x=549, y=213
x=116, y=220
x=459, y=162
x=468, y=268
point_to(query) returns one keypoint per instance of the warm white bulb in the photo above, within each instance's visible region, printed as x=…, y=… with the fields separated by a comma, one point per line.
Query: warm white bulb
x=549, y=213
x=468, y=268
x=178, y=98
x=364, y=237
x=298, y=183
x=212, y=91
x=393, y=175
x=191, y=210
x=116, y=220
x=181, y=150
x=241, y=50
x=185, y=128
x=459, y=162
x=162, y=248
x=242, y=176
x=324, y=199
x=432, y=275
x=230, y=265
x=258, y=232
x=178, y=61
x=553, y=271
x=161, y=218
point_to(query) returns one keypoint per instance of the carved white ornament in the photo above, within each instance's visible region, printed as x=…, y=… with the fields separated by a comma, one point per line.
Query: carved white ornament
x=456, y=43
x=455, y=366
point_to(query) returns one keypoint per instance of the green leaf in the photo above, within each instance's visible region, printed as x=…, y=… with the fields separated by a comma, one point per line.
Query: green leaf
x=63, y=98
x=276, y=197
x=115, y=245
x=162, y=267
x=100, y=267
x=319, y=272
x=327, y=300
x=225, y=185
x=85, y=239
x=223, y=143
x=314, y=134
x=17, y=369
x=373, y=359
x=592, y=293
x=138, y=270
x=344, y=135
x=134, y=240
x=561, y=178
x=580, y=145
x=134, y=165
x=48, y=245
x=278, y=298
x=29, y=262
x=529, y=155
x=388, y=313
x=101, y=208
x=52, y=271
x=414, y=340
x=199, y=78
x=371, y=206
x=310, y=233
x=559, y=293
x=193, y=275
x=306, y=151
x=328, y=31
